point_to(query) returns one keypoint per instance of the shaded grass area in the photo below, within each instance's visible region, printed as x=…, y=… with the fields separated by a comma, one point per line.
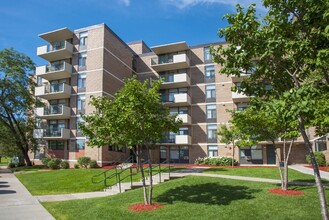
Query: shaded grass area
x=195, y=197
x=4, y=161
x=28, y=168
x=269, y=173
x=71, y=180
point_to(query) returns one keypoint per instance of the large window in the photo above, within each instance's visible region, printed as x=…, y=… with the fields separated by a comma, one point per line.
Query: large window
x=79, y=120
x=82, y=60
x=183, y=131
x=212, y=151
x=81, y=103
x=242, y=106
x=56, y=145
x=80, y=144
x=211, y=91
x=82, y=81
x=83, y=39
x=212, y=133
x=210, y=72
x=211, y=112
x=117, y=148
x=207, y=55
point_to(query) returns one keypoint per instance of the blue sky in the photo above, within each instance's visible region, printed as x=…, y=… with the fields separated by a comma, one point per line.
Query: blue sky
x=154, y=21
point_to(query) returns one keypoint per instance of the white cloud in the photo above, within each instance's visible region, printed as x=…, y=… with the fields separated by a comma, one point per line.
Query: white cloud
x=182, y=4
x=125, y=2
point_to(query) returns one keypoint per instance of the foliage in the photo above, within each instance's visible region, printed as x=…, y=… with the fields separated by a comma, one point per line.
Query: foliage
x=319, y=157
x=76, y=166
x=45, y=161
x=135, y=118
x=54, y=163
x=11, y=165
x=84, y=161
x=93, y=164
x=65, y=164
x=216, y=161
x=17, y=102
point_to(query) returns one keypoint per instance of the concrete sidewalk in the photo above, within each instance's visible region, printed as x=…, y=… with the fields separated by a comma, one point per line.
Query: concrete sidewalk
x=306, y=170
x=16, y=202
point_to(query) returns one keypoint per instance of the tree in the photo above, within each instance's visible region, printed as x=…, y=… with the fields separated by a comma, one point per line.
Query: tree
x=136, y=117
x=17, y=99
x=288, y=51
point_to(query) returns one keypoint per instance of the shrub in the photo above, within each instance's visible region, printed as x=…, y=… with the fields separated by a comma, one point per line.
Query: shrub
x=93, y=164
x=319, y=157
x=76, y=166
x=54, y=163
x=65, y=164
x=45, y=161
x=216, y=161
x=11, y=165
x=84, y=161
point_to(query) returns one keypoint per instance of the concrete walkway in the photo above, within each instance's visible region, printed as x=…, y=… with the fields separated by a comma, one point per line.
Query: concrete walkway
x=16, y=202
x=306, y=170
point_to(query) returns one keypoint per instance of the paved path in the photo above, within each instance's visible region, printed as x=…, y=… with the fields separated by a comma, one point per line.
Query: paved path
x=306, y=170
x=16, y=202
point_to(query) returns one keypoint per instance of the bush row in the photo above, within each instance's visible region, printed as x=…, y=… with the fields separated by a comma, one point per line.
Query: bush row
x=56, y=163
x=216, y=161
x=319, y=157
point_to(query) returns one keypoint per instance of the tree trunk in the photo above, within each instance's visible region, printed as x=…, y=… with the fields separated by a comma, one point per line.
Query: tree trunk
x=323, y=202
x=286, y=161
x=143, y=175
x=233, y=154
x=278, y=158
x=26, y=157
x=150, y=176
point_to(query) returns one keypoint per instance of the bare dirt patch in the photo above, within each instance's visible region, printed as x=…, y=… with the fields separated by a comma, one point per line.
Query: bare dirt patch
x=141, y=207
x=289, y=192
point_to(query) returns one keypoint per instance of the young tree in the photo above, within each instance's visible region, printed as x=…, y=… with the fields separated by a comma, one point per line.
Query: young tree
x=136, y=117
x=17, y=99
x=288, y=51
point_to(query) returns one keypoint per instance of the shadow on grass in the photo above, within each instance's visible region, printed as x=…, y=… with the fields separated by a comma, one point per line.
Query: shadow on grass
x=208, y=193
x=216, y=170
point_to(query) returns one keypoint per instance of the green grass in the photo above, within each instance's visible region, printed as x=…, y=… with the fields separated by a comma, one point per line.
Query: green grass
x=68, y=181
x=266, y=172
x=198, y=198
x=4, y=161
x=27, y=168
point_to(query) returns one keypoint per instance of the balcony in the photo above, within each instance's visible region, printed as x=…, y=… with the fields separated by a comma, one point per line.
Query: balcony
x=240, y=97
x=182, y=99
x=175, y=81
x=178, y=139
x=56, y=91
x=54, y=134
x=57, y=35
x=240, y=78
x=182, y=139
x=178, y=61
x=54, y=112
x=60, y=70
x=186, y=118
x=52, y=52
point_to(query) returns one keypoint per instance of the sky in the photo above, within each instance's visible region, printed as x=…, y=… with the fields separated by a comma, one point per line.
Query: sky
x=155, y=22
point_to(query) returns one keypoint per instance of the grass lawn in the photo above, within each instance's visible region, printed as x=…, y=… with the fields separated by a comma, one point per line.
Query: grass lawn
x=66, y=181
x=195, y=197
x=27, y=168
x=266, y=172
x=4, y=161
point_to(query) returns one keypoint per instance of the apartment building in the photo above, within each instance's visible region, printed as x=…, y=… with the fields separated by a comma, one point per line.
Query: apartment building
x=94, y=61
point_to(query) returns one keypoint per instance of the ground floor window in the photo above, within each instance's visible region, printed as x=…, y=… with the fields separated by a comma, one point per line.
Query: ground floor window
x=212, y=151
x=56, y=145
x=253, y=155
x=163, y=153
x=117, y=148
x=321, y=144
x=80, y=144
x=179, y=154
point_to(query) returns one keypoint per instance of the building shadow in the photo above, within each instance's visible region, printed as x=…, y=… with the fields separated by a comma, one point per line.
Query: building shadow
x=2, y=192
x=2, y=182
x=208, y=193
x=4, y=186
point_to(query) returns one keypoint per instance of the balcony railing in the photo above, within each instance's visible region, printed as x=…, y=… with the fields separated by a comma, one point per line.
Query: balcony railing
x=175, y=81
x=54, y=112
x=60, y=70
x=178, y=61
x=178, y=139
x=181, y=99
x=54, y=91
x=52, y=134
x=53, y=52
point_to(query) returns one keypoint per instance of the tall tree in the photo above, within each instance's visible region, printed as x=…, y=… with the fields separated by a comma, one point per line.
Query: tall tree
x=17, y=99
x=289, y=51
x=136, y=117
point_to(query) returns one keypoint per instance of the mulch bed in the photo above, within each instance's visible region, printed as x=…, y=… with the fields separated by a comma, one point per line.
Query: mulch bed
x=320, y=168
x=141, y=207
x=289, y=192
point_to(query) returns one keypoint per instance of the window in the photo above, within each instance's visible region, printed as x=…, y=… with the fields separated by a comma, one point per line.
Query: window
x=58, y=45
x=207, y=55
x=212, y=151
x=79, y=120
x=212, y=132
x=117, y=148
x=81, y=103
x=39, y=81
x=56, y=145
x=171, y=137
x=211, y=112
x=183, y=131
x=82, y=60
x=210, y=72
x=210, y=91
x=80, y=144
x=83, y=38
x=242, y=106
x=81, y=81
